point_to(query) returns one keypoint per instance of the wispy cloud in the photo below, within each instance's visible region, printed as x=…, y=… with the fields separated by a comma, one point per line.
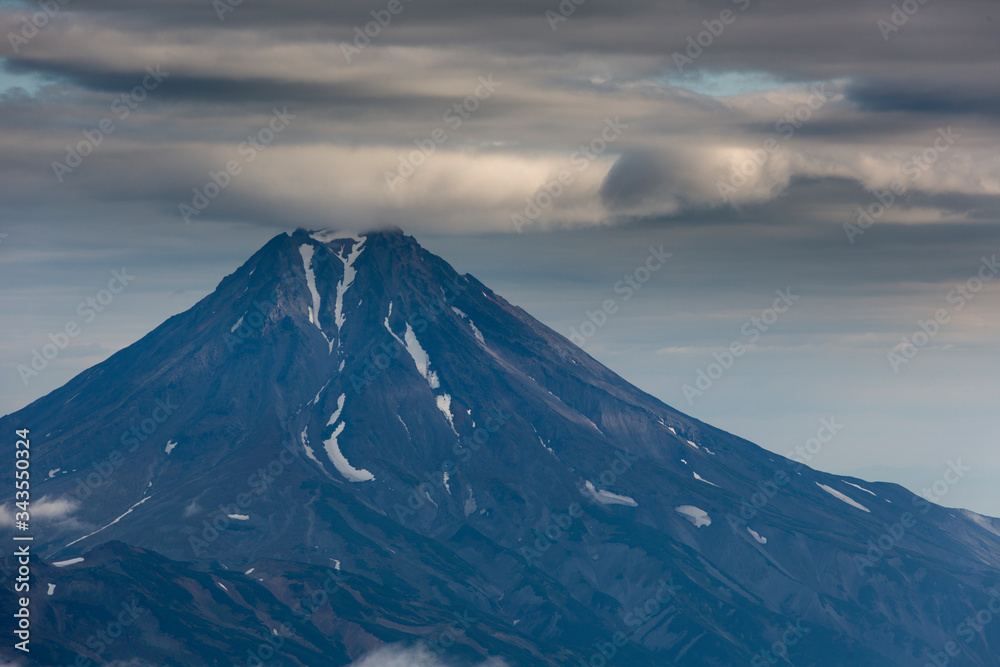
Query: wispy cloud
x=394, y=655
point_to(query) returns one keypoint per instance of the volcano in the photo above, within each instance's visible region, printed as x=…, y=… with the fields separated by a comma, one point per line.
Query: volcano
x=349, y=445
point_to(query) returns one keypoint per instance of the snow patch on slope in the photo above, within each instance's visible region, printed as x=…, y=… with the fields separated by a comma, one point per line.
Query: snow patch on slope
x=349, y=275
x=475, y=330
x=423, y=363
x=127, y=512
x=664, y=424
x=859, y=488
x=470, y=504
x=170, y=446
x=309, y=450
x=756, y=535
x=339, y=461
x=840, y=496
x=320, y=392
x=389, y=329
x=608, y=498
x=307, y=252
x=67, y=563
x=700, y=479
x=444, y=405
x=420, y=358
x=695, y=515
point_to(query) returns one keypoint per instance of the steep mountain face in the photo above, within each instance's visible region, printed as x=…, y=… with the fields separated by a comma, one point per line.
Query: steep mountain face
x=351, y=405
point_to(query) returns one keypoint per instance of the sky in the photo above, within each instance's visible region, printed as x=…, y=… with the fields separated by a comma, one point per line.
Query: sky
x=843, y=155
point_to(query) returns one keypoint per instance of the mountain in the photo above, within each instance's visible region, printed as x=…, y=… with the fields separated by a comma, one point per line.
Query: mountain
x=349, y=427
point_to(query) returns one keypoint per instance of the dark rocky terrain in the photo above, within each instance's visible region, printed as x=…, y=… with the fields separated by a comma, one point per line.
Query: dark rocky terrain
x=349, y=444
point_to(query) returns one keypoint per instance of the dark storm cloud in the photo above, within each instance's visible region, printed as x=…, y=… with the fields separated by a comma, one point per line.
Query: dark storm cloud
x=636, y=176
x=180, y=87
x=926, y=98
x=275, y=13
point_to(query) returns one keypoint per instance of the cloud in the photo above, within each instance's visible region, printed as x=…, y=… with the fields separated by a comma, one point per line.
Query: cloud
x=192, y=508
x=395, y=655
x=636, y=177
x=355, y=121
x=52, y=512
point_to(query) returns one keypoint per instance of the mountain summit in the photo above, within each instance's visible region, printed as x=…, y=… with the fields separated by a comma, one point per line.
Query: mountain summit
x=346, y=414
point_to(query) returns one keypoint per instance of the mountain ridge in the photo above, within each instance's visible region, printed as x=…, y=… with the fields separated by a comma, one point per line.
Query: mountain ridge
x=350, y=398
